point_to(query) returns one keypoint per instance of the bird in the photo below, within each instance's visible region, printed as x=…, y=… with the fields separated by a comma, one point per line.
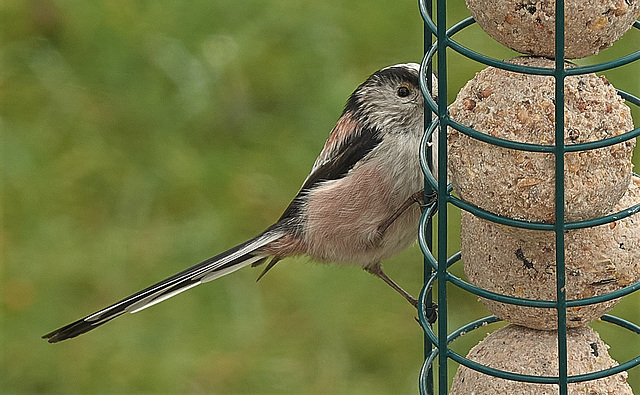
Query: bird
x=359, y=205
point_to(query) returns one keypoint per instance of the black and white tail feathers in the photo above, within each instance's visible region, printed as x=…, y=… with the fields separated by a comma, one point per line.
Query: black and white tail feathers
x=229, y=261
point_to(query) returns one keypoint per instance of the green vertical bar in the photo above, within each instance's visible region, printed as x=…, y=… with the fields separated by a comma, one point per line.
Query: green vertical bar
x=428, y=40
x=443, y=355
x=559, y=228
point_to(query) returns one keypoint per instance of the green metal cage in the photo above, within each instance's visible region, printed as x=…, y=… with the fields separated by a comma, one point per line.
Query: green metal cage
x=438, y=40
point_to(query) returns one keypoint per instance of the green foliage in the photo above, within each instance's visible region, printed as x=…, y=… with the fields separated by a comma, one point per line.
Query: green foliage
x=140, y=137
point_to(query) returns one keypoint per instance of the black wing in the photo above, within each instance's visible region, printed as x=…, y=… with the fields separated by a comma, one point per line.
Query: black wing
x=336, y=165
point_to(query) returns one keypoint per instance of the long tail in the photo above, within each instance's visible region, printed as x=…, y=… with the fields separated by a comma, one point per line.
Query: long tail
x=229, y=261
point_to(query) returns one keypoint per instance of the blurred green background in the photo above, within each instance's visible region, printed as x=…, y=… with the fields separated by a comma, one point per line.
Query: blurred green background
x=140, y=137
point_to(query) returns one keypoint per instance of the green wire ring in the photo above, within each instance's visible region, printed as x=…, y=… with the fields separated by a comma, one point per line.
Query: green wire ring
x=425, y=292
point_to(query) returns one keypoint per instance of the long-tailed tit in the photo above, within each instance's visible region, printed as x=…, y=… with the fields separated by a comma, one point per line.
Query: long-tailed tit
x=356, y=207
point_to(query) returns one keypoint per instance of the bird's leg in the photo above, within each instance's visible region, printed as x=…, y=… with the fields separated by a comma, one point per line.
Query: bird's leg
x=432, y=313
x=417, y=197
x=376, y=270
x=426, y=200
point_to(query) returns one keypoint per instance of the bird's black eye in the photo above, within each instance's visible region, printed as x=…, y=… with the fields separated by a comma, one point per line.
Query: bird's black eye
x=403, y=91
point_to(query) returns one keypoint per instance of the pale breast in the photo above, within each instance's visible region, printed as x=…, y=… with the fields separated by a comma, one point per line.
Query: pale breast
x=343, y=217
